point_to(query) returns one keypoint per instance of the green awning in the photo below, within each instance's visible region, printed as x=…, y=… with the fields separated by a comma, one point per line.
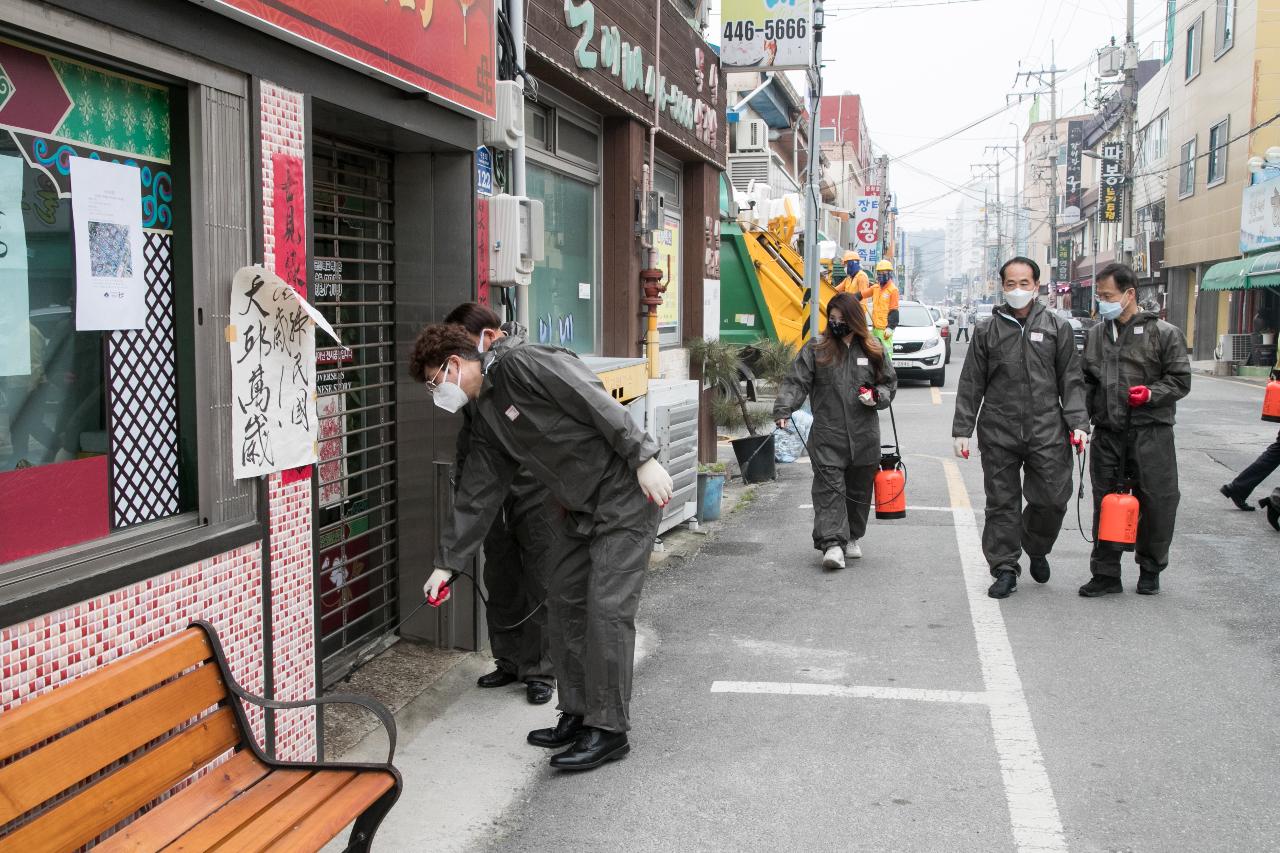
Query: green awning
x=1228, y=275
x=1244, y=273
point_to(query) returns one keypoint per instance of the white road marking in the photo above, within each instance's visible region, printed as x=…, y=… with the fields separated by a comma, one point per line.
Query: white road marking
x=1033, y=811
x=947, y=509
x=805, y=506
x=795, y=688
x=937, y=396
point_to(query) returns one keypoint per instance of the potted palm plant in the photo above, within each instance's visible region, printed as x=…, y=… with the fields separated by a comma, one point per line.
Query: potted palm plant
x=721, y=368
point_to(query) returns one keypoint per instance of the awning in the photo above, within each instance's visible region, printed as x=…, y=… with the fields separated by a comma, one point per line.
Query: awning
x=1228, y=275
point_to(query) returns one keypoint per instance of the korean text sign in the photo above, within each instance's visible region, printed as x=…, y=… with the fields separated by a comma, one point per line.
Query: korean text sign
x=766, y=34
x=1112, y=198
x=272, y=338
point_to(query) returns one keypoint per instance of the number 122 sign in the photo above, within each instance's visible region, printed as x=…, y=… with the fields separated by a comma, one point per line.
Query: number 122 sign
x=766, y=34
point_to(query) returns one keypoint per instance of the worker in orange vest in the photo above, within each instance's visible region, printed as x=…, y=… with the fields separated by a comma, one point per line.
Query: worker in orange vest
x=881, y=301
x=855, y=280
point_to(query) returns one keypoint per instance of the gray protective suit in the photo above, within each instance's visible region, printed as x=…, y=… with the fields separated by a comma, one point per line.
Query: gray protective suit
x=518, y=551
x=542, y=410
x=1145, y=351
x=1025, y=378
x=845, y=440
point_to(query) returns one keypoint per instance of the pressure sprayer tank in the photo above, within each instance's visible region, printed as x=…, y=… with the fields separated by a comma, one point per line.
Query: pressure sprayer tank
x=891, y=487
x=1271, y=402
x=1118, y=519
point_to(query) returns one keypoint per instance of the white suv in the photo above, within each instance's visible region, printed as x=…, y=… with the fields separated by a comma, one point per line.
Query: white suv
x=919, y=352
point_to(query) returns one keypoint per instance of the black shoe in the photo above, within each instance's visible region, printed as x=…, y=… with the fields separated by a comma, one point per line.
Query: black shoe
x=1273, y=512
x=1006, y=584
x=539, y=692
x=1040, y=569
x=592, y=748
x=1101, y=585
x=1149, y=583
x=1240, y=502
x=566, y=731
x=497, y=678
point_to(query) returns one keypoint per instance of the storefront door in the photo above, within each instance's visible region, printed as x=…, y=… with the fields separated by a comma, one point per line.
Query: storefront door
x=353, y=275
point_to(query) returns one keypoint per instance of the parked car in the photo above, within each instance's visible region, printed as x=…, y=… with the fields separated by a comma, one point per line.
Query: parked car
x=1080, y=326
x=943, y=322
x=919, y=351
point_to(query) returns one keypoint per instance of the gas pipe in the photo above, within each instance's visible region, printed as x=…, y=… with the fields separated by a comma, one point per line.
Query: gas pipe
x=891, y=486
x=1271, y=402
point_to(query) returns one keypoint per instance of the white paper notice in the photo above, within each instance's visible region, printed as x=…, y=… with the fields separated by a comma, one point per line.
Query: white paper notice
x=15, y=326
x=106, y=210
x=272, y=336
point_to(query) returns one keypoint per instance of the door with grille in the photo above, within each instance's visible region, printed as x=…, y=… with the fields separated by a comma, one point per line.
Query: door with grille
x=353, y=276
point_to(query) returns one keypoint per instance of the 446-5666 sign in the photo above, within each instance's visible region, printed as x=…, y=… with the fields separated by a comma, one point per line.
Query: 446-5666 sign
x=766, y=34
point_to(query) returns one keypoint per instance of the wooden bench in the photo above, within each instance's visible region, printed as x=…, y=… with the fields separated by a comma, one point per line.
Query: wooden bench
x=97, y=751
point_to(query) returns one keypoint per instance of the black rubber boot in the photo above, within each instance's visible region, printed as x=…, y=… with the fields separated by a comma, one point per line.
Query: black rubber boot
x=1149, y=583
x=1101, y=585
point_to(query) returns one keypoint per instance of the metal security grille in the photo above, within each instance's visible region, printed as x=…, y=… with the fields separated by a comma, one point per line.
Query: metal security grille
x=355, y=490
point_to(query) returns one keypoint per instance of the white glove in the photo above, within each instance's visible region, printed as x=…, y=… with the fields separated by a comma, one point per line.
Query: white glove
x=655, y=482
x=431, y=589
x=867, y=397
x=962, y=447
x=1080, y=439
x=782, y=423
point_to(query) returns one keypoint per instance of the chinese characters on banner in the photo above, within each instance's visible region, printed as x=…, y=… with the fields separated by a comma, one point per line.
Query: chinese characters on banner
x=289, y=206
x=1112, y=199
x=1072, y=205
x=866, y=227
x=482, y=250
x=1064, y=261
x=272, y=340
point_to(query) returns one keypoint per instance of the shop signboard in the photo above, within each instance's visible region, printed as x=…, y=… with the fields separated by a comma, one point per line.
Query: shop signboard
x=1064, y=261
x=607, y=47
x=1072, y=206
x=444, y=49
x=866, y=227
x=766, y=35
x=1260, y=217
x=1112, y=182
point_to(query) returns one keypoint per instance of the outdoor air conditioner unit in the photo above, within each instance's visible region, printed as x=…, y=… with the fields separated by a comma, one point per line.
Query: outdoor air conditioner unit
x=753, y=135
x=1235, y=348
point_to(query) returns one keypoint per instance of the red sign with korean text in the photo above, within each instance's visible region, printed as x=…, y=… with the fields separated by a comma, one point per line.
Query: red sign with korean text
x=443, y=47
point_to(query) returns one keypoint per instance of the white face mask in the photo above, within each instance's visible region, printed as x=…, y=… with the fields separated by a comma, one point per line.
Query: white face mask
x=447, y=395
x=1017, y=299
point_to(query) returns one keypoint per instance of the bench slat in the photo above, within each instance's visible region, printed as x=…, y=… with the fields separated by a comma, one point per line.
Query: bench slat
x=326, y=821
x=117, y=796
x=53, y=768
x=228, y=820
x=56, y=711
x=263, y=831
x=167, y=821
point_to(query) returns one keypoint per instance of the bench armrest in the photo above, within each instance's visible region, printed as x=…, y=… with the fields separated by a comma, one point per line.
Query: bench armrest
x=377, y=708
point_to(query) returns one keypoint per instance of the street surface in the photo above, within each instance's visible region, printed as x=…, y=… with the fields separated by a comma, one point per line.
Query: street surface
x=893, y=706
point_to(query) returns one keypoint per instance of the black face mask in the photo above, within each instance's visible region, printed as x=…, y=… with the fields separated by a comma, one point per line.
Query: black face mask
x=839, y=329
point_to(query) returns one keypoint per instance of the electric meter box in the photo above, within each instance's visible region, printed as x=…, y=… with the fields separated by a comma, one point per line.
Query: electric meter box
x=506, y=129
x=515, y=239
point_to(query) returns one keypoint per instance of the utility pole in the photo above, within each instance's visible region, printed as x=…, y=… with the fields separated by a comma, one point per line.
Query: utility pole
x=1130, y=120
x=1013, y=152
x=1051, y=73
x=812, y=277
x=990, y=169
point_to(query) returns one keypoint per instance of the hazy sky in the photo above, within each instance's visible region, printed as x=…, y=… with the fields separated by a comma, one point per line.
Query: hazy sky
x=926, y=68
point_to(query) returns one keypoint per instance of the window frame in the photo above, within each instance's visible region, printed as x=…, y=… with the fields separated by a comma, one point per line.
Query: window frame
x=1188, y=165
x=228, y=512
x=1213, y=156
x=1198, y=29
x=1221, y=45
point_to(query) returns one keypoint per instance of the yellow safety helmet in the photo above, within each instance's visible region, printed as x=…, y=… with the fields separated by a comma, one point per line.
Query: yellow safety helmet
x=850, y=256
x=884, y=266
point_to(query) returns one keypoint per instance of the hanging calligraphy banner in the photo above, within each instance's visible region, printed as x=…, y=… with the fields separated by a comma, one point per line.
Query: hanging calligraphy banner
x=272, y=337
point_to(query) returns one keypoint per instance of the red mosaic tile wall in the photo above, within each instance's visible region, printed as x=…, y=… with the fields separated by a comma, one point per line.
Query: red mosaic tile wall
x=292, y=568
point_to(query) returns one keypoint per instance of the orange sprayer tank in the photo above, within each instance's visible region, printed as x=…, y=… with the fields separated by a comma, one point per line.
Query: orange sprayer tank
x=1118, y=519
x=1271, y=402
x=891, y=488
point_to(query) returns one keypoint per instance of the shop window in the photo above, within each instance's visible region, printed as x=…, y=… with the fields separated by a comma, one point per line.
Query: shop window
x=100, y=394
x=1218, y=141
x=563, y=291
x=537, y=126
x=577, y=142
